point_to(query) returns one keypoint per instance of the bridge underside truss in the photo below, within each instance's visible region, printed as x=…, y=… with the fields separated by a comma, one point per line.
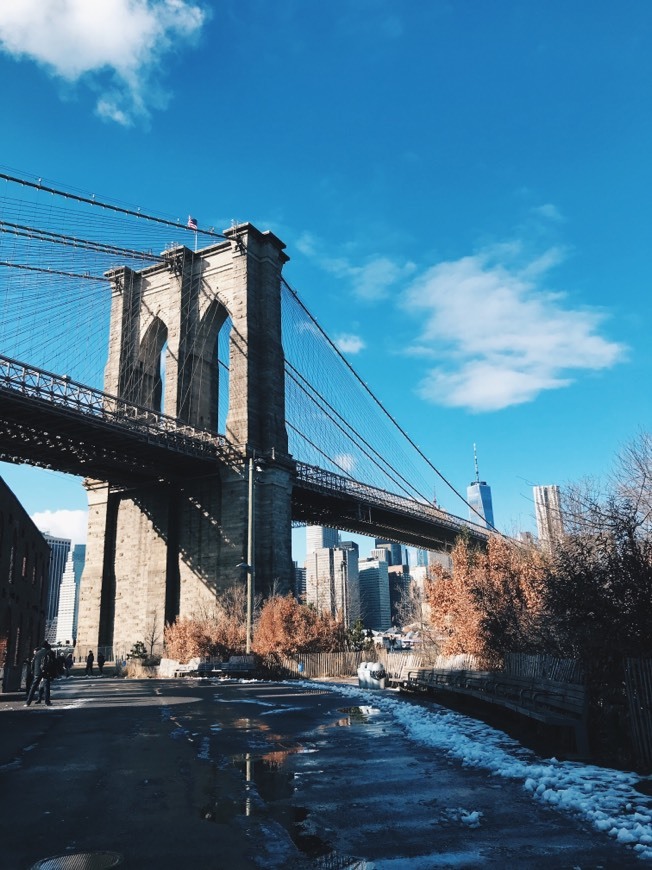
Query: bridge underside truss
x=374, y=520
x=38, y=433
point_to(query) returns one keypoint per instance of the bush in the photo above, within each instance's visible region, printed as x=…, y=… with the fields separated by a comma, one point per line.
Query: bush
x=219, y=633
x=286, y=627
x=492, y=603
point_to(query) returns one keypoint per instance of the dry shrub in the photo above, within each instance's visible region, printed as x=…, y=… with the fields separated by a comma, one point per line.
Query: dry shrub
x=219, y=633
x=492, y=603
x=136, y=670
x=286, y=627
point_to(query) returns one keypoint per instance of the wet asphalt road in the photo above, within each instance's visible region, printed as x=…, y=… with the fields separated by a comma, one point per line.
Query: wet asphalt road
x=192, y=774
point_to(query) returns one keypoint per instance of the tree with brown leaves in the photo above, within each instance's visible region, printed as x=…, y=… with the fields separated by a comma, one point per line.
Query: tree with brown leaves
x=492, y=603
x=286, y=627
x=219, y=632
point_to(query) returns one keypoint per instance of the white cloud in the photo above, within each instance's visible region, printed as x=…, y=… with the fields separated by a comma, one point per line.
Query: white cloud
x=63, y=524
x=348, y=343
x=370, y=281
x=550, y=212
x=307, y=244
x=345, y=461
x=500, y=336
x=115, y=45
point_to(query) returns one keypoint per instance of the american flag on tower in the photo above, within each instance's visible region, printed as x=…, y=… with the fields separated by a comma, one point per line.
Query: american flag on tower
x=192, y=223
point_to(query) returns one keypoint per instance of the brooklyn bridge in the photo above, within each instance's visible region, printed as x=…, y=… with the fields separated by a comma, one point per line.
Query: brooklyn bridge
x=177, y=372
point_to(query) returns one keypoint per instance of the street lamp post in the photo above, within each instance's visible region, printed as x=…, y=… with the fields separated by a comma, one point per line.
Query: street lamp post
x=250, y=558
x=249, y=565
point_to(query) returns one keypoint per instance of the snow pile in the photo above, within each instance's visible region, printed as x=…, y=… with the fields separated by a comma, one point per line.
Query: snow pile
x=605, y=797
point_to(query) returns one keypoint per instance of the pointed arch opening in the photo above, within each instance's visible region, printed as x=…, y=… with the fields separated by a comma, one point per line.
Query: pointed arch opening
x=209, y=389
x=151, y=364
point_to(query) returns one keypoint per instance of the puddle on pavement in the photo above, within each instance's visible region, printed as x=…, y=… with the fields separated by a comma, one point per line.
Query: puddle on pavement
x=353, y=716
x=334, y=861
x=268, y=789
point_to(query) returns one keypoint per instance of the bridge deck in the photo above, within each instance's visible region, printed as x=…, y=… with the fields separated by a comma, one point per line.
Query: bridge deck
x=53, y=422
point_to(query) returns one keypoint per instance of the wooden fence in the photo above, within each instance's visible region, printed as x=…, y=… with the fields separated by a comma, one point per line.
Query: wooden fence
x=311, y=665
x=638, y=688
x=345, y=664
x=544, y=667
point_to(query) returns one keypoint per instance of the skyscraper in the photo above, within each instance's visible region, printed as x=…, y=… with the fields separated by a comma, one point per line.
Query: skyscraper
x=478, y=496
x=547, y=506
x=59, y=549
x=78, y=561
x=320, y=536
x=375, y=607
x=299, y=582
x=67, y=599
x=395, y=550
x=332, y=582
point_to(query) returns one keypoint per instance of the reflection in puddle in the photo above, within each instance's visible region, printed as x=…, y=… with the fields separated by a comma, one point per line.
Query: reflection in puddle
x=266, y=775
x=333, y=861
x=355, y=716
x=249, y=725
x=267, y=792
x=264, y=783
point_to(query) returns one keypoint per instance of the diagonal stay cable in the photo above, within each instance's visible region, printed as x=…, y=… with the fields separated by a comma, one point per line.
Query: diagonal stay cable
x=302, y=435
x=86, y=276
x=377, y=401
x=318, y=398
x=106, y=205
x=24, y=231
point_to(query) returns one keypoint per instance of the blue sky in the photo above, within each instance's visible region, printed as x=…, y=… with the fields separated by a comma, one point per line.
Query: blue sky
x=463, y=188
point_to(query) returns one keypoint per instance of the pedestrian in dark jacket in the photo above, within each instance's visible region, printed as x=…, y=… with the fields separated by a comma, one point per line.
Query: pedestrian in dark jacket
x=90, y=658
x=50, y=671
x=42, y=673
x=100, y=662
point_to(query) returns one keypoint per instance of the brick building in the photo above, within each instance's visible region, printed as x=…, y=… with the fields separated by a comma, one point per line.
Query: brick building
x=24, y=561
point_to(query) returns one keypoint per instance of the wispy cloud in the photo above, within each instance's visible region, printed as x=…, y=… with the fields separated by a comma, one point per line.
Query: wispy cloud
x=63, y=524
x=549, y=212
x=370, y=280
x=345, y=462
x=499, y=336
x=348, y=343
x=115, y=46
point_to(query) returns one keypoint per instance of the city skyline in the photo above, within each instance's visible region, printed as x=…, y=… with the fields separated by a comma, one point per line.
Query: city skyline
x=463, y=196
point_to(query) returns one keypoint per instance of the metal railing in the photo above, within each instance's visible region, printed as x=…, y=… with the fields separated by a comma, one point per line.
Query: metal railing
x=62, y=392
x=326, y=481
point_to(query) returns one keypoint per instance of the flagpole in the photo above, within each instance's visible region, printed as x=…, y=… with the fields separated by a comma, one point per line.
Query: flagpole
x=192, y=225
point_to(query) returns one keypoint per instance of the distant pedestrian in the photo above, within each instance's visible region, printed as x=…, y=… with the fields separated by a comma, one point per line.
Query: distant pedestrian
x=41, y=667
x=68, y=664
x=100, y=662
x=90, y=658
x=50, y=672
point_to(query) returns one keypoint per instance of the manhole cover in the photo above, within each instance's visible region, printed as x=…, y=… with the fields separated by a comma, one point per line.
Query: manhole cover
x=80, y=861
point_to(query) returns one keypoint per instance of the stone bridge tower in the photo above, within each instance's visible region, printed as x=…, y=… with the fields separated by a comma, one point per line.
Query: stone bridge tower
x=163, y=550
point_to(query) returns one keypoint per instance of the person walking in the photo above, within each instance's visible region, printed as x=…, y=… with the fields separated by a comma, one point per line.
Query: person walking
x=68, y=664
x=90, y=658
x=50, y=671
x=100, y=662
x=41, y=667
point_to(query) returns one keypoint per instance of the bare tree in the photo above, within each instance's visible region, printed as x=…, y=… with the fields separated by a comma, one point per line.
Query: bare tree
x=153, y=635
x=633, y=479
